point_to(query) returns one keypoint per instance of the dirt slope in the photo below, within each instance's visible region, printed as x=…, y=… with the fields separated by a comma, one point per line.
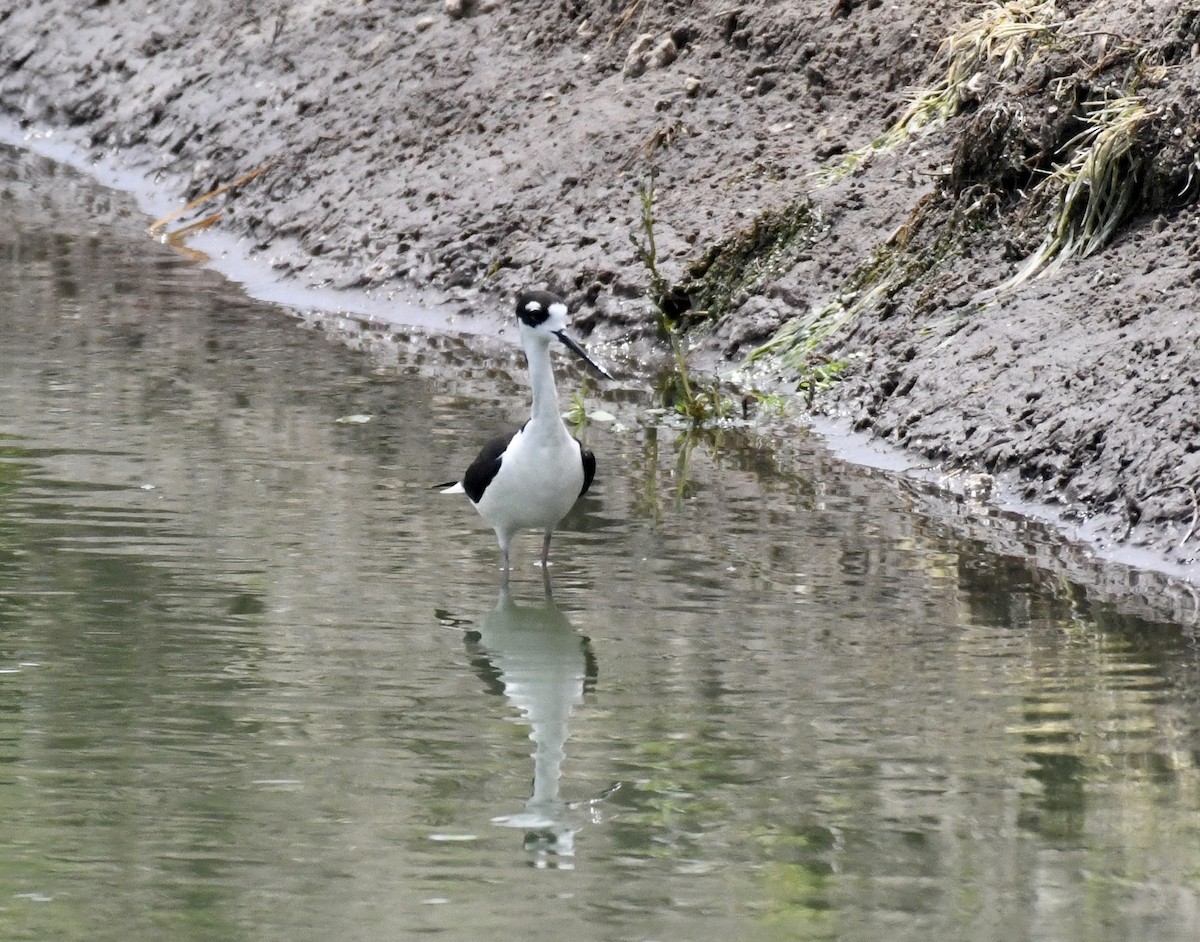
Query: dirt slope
x=471, y=146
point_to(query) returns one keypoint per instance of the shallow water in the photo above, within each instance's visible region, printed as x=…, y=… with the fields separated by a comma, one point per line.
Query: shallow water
x=258, y=681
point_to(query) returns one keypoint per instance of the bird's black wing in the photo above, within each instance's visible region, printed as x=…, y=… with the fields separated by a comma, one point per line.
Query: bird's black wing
x=589, y=467
x=484, y=468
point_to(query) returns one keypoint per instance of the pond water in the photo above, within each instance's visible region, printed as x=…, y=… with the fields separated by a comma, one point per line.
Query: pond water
x=258, y=681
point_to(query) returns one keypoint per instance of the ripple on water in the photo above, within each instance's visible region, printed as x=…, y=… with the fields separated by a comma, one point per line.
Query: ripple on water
x=256, y=680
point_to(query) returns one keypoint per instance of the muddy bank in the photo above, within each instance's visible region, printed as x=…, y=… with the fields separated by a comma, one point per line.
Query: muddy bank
x=452, y=152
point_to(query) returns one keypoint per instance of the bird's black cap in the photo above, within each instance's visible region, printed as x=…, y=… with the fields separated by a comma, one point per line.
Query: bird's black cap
x=533, y=307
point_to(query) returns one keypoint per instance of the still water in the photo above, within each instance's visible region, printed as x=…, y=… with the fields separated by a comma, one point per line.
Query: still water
x=258, y=682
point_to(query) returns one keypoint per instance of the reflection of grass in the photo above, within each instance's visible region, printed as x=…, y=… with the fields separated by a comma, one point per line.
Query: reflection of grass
x=651, y=500
x=800, y=901
x=684, y=776
x=15, y=466
x=1002, y=34
x=15, y=463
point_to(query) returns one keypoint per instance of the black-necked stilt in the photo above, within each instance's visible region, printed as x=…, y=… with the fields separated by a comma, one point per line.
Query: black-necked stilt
x=531, y=479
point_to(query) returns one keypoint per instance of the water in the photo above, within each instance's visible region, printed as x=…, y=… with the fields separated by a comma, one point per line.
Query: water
x=257, y=681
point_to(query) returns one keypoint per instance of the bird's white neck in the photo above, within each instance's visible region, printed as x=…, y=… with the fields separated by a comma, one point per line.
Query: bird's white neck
x=545, y=412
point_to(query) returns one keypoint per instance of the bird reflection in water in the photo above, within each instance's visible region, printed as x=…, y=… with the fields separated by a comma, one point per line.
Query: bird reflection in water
x=543, y=667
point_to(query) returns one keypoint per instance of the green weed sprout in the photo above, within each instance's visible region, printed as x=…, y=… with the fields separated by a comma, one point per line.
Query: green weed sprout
x=697, y=403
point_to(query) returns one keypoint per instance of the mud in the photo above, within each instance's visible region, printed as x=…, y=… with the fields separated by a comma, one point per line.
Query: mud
x=448, y=153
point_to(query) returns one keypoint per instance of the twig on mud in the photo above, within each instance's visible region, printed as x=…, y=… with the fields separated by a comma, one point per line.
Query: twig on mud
x=625, y=17
x=158, y=224
x=662, y=137
x=1195, y=506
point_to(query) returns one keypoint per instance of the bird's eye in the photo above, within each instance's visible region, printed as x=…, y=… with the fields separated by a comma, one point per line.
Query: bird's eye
x=532, y=314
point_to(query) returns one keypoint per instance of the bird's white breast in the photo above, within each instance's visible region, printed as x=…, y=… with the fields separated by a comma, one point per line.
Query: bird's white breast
x=540, y=477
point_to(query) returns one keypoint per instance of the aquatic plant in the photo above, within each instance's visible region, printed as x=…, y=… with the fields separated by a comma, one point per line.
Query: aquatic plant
x=579, y=416
x=697, y=402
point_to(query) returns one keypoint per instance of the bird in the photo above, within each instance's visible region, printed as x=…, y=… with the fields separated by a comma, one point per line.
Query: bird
x=530, y=479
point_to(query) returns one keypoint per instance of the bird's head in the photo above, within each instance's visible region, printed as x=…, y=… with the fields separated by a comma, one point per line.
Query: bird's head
x=542, y=316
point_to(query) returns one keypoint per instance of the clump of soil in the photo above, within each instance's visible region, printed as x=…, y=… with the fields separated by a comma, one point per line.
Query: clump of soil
x=895, y=185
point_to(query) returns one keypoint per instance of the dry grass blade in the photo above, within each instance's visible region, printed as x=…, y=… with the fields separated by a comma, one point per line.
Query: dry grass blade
x=159, y=224
x=1191, y=530
x=1096, y=187
x=625, y=17
x=1002, y=35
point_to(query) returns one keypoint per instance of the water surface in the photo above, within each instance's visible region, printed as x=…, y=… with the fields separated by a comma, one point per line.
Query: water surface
x=258, y=682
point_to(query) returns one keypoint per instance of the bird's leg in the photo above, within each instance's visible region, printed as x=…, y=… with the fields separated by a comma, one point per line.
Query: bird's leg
x=546, y=549
x=504, y=561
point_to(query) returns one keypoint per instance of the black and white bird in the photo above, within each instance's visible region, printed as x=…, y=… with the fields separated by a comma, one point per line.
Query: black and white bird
x=530, y=480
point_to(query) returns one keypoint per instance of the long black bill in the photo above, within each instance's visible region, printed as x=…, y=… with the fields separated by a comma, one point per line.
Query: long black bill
x=582, y=354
